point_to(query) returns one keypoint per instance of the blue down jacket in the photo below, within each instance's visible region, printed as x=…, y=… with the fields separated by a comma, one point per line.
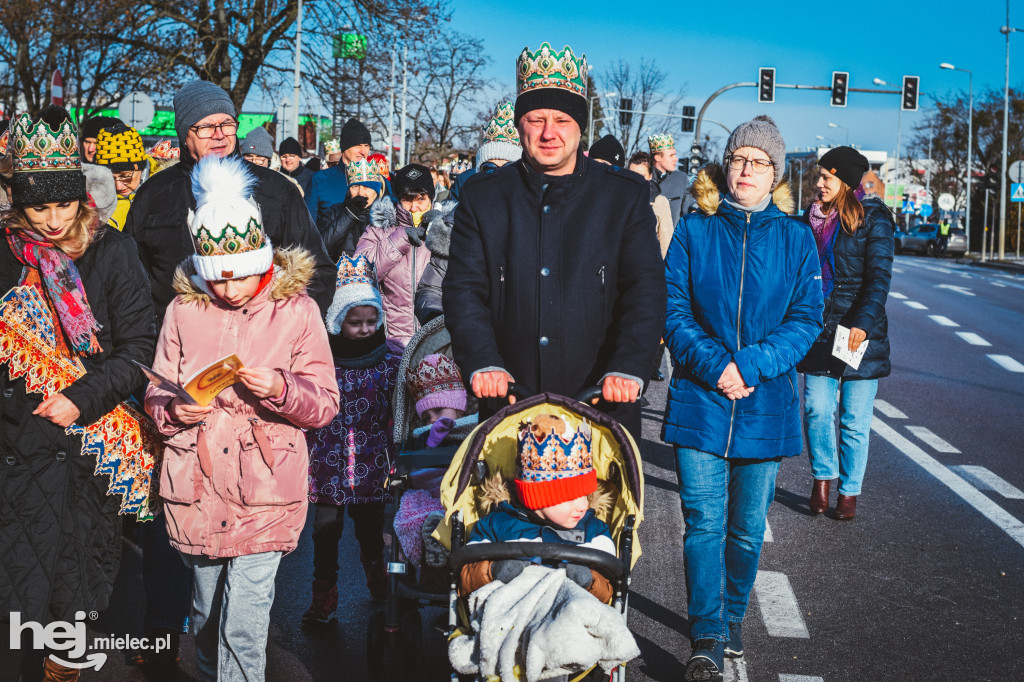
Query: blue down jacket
x=743, y=287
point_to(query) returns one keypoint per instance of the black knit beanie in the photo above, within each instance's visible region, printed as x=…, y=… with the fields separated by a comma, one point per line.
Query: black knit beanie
x=553, y=98
x=313, y=163
x=846, y=163
x=608, y=149
x=413, y=179
x=290, y=146
x=92, y=126
x=353, y=133
x=54, y=178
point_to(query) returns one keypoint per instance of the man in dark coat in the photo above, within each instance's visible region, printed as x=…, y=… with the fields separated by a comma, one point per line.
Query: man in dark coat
x=158, y=216
x=329, y=187
x=555, y=279
x=672, y=183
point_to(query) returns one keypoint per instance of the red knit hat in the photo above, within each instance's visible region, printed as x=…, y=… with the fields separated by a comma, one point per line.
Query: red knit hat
x=554, y=463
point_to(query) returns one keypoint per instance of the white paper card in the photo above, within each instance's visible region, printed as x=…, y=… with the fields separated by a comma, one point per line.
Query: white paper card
x=841, y=348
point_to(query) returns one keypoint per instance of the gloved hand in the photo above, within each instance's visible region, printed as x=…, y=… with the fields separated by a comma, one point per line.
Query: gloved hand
x=507, y=570
x=430, y=217
x=416, y=234
x=356, y=205
x=581, y=575
x=439, y=431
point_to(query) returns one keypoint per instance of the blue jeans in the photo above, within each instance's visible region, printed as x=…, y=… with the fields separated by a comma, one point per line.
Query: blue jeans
x=725, y=506
x=855, y=401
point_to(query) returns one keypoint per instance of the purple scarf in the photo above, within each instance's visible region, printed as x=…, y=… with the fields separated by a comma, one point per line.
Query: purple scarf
x=824, y=229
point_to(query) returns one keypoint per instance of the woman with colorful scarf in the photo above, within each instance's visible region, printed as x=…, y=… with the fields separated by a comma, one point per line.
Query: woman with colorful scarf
x=77, y=311
x=854, y=237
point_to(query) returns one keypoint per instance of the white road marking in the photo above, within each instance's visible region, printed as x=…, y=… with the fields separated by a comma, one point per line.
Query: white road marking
x=998, y=284
x=888, y=410
x=898, y=295
x=768, y=537
x=971, y=495
x=973, y=339
x=944, y=321
x=1007, y=363
x=800, y=678
x=779, y=610
x=929, y=438
x=952, y=287
x=735, y=670
x=984, y=479
x=897, y=269
x=916, y=306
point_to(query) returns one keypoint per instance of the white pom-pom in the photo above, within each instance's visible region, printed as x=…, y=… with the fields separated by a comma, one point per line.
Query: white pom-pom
x=221, y=179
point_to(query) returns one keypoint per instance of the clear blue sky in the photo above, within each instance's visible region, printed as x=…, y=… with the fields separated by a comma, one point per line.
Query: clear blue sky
x=705, y=45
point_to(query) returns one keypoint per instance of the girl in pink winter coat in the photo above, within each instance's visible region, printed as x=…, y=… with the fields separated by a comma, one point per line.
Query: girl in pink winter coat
x=233, y=479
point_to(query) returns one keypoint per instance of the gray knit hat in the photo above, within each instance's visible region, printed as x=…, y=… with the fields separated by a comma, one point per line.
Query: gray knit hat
x=197, y=100
x=258, y=142
x=763, y=134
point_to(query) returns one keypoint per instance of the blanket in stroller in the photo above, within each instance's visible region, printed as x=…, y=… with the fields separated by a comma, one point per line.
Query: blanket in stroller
x=540, y=626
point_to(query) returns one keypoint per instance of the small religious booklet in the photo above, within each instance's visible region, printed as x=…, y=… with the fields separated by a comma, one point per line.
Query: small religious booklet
x=841, y=348
x=204, y=385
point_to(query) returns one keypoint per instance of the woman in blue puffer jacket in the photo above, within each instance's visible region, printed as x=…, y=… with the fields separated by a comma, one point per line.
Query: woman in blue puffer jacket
x=744, y=306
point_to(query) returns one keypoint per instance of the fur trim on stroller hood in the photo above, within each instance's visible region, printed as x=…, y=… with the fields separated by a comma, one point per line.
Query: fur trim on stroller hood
x=293, y=270
x=384, y=214
x=709, y=187
x=497, y=489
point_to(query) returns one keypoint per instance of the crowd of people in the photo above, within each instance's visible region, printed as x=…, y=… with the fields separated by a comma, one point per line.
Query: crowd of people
x=555, y=268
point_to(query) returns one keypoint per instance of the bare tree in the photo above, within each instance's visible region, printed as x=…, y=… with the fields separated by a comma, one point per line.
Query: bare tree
x=644, y=86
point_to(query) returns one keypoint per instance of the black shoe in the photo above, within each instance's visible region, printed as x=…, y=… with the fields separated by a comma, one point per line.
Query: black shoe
x=734, y=647
x=706, y=662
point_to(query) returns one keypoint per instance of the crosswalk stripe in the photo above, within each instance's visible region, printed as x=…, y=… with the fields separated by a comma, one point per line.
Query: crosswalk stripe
x=916, y=306
x=735, y=670
x=1007, y=363
x=984, y=479
x=800, y=678
x=897, y=295
x=888, y=410
x=925, y=435
x=779, y=609
x=944, y=321
x=973, y=339
x=768, y=536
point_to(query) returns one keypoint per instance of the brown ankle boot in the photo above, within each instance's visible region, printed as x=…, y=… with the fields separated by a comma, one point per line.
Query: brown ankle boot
x=846, y=508
x=55, y=672
x=819, y=496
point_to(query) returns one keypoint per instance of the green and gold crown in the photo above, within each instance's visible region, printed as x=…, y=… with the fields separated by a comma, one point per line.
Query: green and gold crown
x=547, y=68
x=231, y=239
x=38, y=147
x=332, y=146
x=661, y=143
x=502, y=128
x=363, y=170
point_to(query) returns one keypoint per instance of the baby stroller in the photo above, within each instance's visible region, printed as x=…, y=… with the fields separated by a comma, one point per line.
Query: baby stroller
x=397, y=629
x=492, y=448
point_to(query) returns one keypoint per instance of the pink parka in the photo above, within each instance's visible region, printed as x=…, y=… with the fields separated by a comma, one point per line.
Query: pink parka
x=247, y=493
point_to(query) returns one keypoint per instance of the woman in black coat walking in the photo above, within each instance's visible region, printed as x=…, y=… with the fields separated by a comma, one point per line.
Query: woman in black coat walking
x=855, y=248
x=59, y=529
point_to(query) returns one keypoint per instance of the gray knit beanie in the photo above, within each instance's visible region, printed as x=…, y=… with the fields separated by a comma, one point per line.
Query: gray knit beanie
x=197, y=100
x=258, y=142
x=763, y=134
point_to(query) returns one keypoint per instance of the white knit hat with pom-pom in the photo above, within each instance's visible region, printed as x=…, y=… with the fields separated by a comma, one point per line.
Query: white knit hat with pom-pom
x=227, y=227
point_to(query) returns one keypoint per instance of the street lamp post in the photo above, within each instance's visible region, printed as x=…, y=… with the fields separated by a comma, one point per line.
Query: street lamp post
x=1005, y=30
x=896, y=162
x=590, y=117
x=835, y=125
x=970, y=142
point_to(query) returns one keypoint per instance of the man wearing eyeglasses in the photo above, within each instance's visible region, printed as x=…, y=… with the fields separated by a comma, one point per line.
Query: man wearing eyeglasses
x=119, y=149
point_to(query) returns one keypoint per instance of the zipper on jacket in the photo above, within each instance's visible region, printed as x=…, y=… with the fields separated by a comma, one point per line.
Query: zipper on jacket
x=604, y=302
x=739, y=310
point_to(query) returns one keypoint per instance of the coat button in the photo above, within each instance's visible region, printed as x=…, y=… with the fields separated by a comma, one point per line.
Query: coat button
x=544, y=272
x=10, y=460
x=544, y=187
x=245, y=311
x=225, y=451
x=61, y=455
x=546, y=209
x=223, y=523
x=543, y=340
x=8, y=392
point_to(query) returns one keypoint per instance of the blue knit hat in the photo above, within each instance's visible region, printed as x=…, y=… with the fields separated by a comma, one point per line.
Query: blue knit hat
x=356, y=286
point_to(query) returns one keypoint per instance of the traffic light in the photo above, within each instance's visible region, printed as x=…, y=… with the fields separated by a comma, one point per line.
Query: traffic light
x=695, y=160
x=840, y=79
x=626, y=116
x=689, y=119
x=910, y=93
x=766, y=85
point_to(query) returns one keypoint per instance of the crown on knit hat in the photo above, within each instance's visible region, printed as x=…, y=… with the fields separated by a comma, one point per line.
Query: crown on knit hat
x=548, y=68
x=436, y=382
x=164, y=151
x=38, y=146
x=501, y=128
x=362, y=171
x=120, y=149
x=332, y=146
x=227, y=226
x=660, y=143
x=554, y=463
x=356, y=285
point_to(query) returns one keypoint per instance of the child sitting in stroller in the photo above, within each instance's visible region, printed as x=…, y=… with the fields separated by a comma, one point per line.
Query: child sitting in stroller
x=552, y=499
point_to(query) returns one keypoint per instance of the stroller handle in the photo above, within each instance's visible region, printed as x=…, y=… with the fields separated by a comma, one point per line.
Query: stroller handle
x=586, y=395
x=607, y=564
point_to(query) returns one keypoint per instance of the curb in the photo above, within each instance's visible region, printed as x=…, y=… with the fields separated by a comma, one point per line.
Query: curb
x=1005, y=267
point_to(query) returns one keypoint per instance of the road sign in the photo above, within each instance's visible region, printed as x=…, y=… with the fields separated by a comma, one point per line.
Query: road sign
x=136, y=110
x=1016, y=171
x=926, y=210
x=946, y=201
x=1017, y=192
x=57, y=89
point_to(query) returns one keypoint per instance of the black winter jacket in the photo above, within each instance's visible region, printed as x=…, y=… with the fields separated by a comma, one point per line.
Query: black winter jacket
x=341, y=230
x=59, y=531
x=158, y=220
x=557, y=279
x=862, y=273
x=302, y=175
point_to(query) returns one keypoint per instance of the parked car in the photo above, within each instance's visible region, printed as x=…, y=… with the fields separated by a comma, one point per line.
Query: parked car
x=925, y=239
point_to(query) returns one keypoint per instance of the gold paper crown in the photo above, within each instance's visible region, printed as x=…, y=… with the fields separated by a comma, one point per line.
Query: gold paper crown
x=231, y=240
x=38, y=147
x=502, y=127
x=547, y=68
x=332, y=146
x=357, y=270
x=363, y=170
x=660, y=143
x=551, y=449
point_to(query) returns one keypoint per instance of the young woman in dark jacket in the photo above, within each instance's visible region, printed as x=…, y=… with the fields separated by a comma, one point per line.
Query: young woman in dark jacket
x=343, y=224
x=855, y=249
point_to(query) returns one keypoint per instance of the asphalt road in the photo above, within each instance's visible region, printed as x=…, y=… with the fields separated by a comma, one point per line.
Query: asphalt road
x=925, y=584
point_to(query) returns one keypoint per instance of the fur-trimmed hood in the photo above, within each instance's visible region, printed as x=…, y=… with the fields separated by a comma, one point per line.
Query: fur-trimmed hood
x=497, y=489
x=709, y=188
x=384, y=214
x=293, y=270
